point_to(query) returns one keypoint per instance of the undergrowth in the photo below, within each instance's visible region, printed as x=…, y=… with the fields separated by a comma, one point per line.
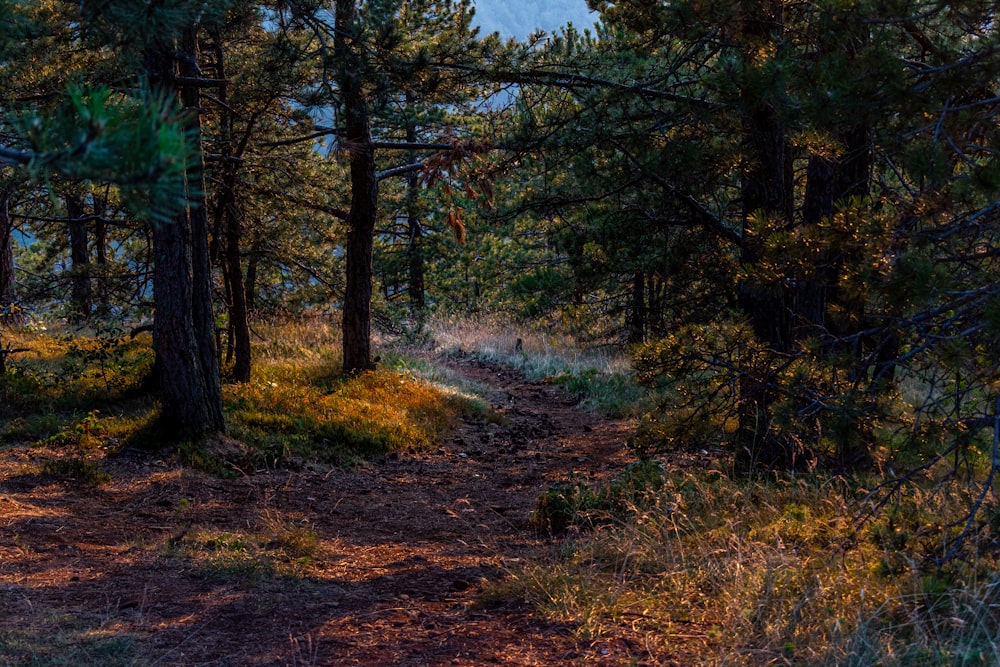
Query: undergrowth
x=735, y=570
x=79, y=639
x=297, y=408
x=744, y=570
x=755, y=572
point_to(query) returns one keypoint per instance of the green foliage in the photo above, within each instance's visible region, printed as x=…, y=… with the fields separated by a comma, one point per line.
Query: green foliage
x=87, y=433
x=97, y=134
x=557, y=509
x=140, y=24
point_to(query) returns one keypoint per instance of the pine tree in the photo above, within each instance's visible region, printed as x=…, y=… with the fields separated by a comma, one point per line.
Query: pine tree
x=143, y=143
x=369, y=61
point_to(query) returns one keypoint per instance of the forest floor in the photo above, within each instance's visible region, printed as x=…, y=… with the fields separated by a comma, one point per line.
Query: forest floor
x=389, y=563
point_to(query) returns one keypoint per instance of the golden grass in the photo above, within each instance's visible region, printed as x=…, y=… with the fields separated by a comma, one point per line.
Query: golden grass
x=66, y=371
x=298, y=405
x=762, y=573
x=377, y=412
x=73, y=391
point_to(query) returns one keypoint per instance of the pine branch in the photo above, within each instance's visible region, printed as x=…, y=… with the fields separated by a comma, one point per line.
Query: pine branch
x=573, y=81
x=14, y=158
x=399, y=171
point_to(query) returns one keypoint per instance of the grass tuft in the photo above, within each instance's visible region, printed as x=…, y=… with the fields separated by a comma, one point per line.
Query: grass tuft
x=278, y=548
x=76, y=470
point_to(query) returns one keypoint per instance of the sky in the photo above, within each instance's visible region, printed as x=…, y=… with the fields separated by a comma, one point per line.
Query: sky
x=518, y=18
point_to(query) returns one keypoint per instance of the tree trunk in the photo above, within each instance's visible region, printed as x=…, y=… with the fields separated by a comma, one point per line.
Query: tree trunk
x=101, y=249
x=184, y=332
x=230, y=222
x=414, y=248
x=637, y=316
x=203, y=311
x=79, y=254
x=238, y=314
x=828, y=183
x=8, y=292
x=251, y=281
x=356, y=324
x=767, y=179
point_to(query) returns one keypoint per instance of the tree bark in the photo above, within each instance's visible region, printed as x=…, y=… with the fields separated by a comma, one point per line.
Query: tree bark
x=356, y=324
x=637, y=316
x=8, y=290
x=767, y=192
x=251, y=280
x=184, y=332
x=767, y=178
x=79, y=254
x=230, y=220
x=101, y=249
x=414, y=248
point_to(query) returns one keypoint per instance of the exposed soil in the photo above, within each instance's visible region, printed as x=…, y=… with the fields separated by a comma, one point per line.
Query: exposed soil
x=406, y=548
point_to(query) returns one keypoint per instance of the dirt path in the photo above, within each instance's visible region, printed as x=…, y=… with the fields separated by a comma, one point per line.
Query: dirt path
x=404, y=550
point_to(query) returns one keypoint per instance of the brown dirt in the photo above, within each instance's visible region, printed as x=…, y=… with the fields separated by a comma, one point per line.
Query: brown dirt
x=406, y=549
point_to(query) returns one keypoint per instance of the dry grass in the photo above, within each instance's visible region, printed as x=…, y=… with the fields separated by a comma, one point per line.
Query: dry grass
x=761, y=573
x=600, y=377
x=86, y=393
x=698, y=558
x=298, y=407
x=68, y=372
x=743, y=571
